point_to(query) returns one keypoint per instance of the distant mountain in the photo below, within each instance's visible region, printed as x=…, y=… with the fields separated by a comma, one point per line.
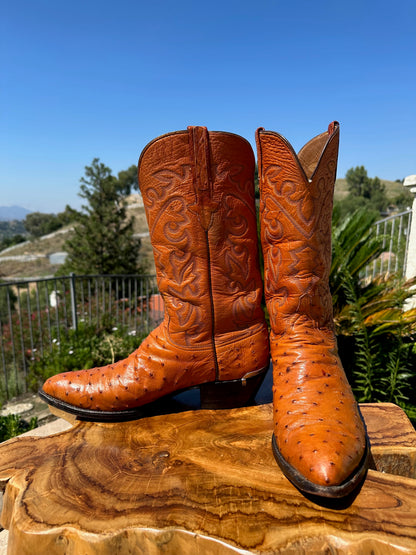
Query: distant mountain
x=8, y=213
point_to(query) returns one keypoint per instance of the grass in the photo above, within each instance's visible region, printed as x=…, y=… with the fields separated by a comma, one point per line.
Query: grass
x=36, y=268
x=393, y=189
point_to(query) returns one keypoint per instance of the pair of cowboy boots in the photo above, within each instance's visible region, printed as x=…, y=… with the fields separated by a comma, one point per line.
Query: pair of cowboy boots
x=198, y=192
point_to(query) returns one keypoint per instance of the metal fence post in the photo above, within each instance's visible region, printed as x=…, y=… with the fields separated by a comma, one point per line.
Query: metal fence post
x=73, y=301
x=410, y=272
x=410, y=183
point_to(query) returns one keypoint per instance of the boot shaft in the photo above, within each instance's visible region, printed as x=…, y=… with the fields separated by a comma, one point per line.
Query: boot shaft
x=296, y=212
x=198, y=193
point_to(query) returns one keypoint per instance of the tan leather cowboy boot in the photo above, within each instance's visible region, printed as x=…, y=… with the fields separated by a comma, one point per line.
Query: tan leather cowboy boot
x=198, y=192
x=319, y=438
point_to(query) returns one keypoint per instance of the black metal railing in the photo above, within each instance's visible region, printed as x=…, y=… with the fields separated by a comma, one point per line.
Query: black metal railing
x=34, y=314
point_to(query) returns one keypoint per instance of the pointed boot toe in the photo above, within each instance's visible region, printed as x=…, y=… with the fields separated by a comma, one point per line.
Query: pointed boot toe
x=321, y=455
x=57, y=387
x=70, y=390
x=321, y=471
x=107, y=391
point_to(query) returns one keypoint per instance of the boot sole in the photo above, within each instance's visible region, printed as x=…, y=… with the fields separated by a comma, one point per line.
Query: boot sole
x=333, y=492
x=214, y=395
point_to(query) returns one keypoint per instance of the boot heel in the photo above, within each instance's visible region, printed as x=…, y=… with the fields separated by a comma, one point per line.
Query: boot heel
x=232, y=393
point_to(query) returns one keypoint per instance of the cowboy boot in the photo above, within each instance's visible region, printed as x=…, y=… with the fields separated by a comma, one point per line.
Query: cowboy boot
x=319, y=439
x=198, y=192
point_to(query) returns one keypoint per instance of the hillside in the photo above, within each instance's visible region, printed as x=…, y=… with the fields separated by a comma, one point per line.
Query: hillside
x=392, y=189
x=10, y=228
x=32, y=258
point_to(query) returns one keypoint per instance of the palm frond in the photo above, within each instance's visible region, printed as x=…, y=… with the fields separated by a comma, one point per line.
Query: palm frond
x=372, y=314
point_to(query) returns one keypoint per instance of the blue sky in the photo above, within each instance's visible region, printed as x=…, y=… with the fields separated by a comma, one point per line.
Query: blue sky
x=85, y=79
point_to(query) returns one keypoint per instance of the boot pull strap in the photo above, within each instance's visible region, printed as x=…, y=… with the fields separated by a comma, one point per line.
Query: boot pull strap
x=332, y=126
x=259, y=152
x=199, y=145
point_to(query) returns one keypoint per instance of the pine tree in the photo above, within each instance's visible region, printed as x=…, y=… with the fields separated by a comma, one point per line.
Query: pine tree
x=358, y=181
x=103, y=241
x=364, y=191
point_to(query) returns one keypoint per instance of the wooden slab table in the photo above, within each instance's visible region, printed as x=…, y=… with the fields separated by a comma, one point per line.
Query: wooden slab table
x=199, y=482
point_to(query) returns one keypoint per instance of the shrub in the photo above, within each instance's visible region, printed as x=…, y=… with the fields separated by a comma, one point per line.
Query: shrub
x=375, y=332
x=85, y=347
x=12, y=425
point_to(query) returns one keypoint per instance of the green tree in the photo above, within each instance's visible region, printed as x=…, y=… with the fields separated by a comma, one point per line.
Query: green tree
x=67, y=216
x=376, y=193
x=38, y=223
x=364, y=191
x=357, y=180
x=103, y=239
x=127, y=180
x=403, y=200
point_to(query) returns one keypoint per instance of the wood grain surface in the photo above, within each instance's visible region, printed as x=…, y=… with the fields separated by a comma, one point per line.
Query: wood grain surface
x=199, y=482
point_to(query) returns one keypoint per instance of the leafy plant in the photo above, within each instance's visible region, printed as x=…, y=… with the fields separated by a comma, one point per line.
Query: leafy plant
x=12, y=425
x=85, y=347
x=375, y=332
